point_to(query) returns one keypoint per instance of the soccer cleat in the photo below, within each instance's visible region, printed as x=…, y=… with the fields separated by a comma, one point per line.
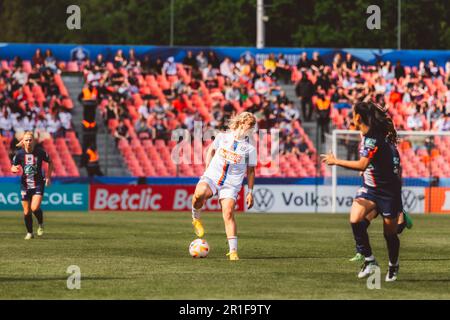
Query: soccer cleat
x=407, y=217
x=29, y=236
x=233, y=256
x=198, y=227
x=367, y=268
x=40, y=231
x=392, y=273
x=357, y=258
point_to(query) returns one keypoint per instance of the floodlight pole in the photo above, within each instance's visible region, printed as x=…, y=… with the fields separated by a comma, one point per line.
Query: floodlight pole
x=399, y=25
x=171, y=22
x=259, y=24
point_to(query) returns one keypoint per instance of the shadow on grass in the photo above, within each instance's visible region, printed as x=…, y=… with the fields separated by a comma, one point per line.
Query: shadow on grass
x=425, y=280
x=56, y=278
x=283, y=258
x=427, y=259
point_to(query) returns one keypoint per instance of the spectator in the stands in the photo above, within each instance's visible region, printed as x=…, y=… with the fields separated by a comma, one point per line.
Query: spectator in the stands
x=121, y=132
x=170, y=67
x=111, y=110
x=305, y=91
x=50, y=61
x=160, y=130
x=270, y=64
x=38, y=59
x=442, y=124
x=142, y=129
x=119, y=60
x=231, y=91
x=399, y=70
x=99, y=65
x=202, y=61
x=65, y=117
x=434, y=69
x=213, y=60
x=262, y=87
x=144, y=109
x=20, y=76
x=227, y=68
x=283, y=70
x=6, y=124
x=53, y=125
x=133, y=61
x=415, y=121
x=424, y=71
x=156, y=67
x=210, y=77
x=303, y=63
x=290, y=112
x=189, y=61
x=337, y=61
x=317, y=63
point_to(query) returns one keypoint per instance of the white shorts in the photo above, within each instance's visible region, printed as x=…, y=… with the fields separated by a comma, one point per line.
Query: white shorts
x=224, y=192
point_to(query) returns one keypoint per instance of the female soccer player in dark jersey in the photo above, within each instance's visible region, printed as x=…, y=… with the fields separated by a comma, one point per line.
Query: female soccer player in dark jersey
x=33, y=182
x=381, y=190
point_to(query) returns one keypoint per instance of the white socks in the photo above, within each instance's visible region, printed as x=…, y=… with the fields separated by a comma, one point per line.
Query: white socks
x=196, y=213
x=233, y=243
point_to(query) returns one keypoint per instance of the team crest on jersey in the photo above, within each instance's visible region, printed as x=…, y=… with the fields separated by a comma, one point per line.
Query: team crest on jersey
x=230, y=155
x=29, y=159
x=369, y=142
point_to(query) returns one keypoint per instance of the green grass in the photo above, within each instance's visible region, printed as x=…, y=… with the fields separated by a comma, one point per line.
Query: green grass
x=283, y=256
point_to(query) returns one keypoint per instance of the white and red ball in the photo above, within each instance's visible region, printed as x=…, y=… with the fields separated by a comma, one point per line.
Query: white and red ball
x=199, y=248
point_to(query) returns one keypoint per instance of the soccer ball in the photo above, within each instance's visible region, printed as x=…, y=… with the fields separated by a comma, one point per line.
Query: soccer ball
x=199, y=248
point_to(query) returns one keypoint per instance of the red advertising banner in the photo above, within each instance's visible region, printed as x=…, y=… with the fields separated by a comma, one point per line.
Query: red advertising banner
x=149, y=198
x=437, y=200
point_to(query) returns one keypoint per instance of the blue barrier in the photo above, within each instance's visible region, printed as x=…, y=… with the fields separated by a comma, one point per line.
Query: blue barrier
x=67, y=52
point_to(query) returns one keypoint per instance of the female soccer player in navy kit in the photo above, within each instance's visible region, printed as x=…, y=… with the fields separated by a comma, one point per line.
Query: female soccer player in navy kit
x=381, y=189
x=33, y=181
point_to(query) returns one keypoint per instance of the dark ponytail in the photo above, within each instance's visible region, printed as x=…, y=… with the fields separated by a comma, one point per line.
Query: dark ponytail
x=376, y=118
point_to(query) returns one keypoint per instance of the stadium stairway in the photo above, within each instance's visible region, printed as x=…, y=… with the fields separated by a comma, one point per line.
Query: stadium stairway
x=111, y=161
x=309, y=127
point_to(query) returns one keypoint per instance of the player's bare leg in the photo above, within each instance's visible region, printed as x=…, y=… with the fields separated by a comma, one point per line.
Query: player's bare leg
x=393, y=244
x=360, y=208
x=202, y=193
x=36, y=210
x=228, y=205
x=28, y=218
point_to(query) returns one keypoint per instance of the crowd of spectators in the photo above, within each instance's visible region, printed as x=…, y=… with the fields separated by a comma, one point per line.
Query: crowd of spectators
x=30, y=100
x=417, y=98
x=232, y=87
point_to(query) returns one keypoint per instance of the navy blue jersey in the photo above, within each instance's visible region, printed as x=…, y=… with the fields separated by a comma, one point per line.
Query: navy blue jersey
x=31, y=163
x=384, y=170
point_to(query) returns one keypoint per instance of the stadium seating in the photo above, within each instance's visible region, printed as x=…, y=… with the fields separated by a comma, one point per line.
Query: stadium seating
x=60, y=149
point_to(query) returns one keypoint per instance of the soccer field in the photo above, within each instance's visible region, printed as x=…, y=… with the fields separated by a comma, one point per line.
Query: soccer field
x=283, y=256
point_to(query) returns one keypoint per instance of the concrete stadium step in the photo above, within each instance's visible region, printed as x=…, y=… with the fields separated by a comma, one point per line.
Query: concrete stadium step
x=111, y=161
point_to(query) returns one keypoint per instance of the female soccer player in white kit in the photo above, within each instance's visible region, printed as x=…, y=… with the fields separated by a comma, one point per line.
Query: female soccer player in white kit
x=229, y=157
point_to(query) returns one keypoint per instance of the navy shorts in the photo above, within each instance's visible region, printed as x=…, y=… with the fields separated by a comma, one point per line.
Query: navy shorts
x=389, y=203
x=27, y=194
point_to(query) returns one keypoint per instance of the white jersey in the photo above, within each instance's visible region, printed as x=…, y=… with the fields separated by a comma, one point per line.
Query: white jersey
x=231, y=158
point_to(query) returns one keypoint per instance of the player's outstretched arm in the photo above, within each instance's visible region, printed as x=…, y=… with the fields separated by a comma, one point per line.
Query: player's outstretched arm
x=251, y=183
x=49, y=173
x=209, y=155
x=359, y=165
